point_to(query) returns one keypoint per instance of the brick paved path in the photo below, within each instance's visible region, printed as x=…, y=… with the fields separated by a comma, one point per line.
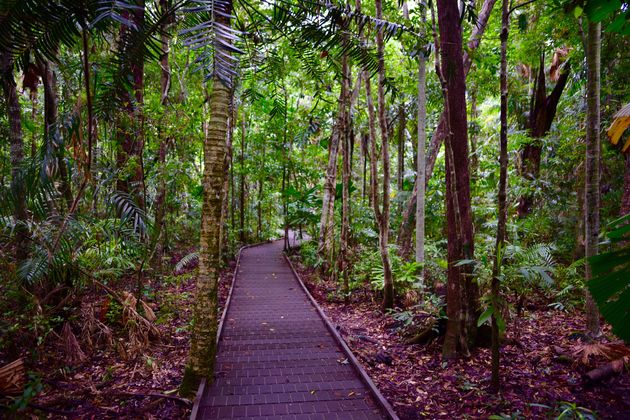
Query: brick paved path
x=276, y=357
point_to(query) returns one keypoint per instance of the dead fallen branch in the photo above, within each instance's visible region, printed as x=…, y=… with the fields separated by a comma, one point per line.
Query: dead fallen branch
x=604, y=372
x=12, y=378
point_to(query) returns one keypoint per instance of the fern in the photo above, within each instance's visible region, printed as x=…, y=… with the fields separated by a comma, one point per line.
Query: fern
x=186, y=262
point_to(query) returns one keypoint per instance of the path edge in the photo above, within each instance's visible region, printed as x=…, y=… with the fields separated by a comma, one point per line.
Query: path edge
x=380, y=399
x=202, y=385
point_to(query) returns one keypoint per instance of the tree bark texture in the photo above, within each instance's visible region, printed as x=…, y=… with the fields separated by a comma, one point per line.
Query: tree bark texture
x=406, y=228
x=592, y=166
x=205, y=309
x=462, y=293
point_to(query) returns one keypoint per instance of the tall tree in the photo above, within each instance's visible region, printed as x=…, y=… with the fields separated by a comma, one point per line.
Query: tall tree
x=165, y=139
x=592, y=165
x=382, y=216
x=502, y=197
x=422, y=140
x=17, y=154
x=462, y=293
x=406, y=226
x=130, y=121
x=205, y=310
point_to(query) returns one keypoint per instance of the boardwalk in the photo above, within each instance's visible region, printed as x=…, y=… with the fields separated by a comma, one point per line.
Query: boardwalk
x=276, y=357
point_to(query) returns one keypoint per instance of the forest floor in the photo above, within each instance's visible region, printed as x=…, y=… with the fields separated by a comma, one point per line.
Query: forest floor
x=119, y=380
x=540, y=365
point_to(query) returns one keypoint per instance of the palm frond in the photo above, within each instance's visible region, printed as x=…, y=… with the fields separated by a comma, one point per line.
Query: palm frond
x=186, y=262
x=129, y=212
x=214, y=39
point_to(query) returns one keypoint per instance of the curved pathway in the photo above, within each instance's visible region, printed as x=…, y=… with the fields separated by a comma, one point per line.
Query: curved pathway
x=276, y=357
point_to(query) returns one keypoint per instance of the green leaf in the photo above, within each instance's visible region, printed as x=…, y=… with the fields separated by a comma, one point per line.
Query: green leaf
x=598, y=10
x=485, y=316
x=577, y=12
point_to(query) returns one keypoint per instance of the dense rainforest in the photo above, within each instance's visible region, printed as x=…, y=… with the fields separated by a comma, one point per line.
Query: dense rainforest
x=449, y=178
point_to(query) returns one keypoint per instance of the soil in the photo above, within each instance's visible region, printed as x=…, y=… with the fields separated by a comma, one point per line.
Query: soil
x=541, y=369
x=118, y=381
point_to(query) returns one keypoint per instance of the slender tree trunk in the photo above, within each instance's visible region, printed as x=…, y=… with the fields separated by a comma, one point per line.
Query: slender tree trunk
x=402, y=122
x=462, y=291
x=326, y=226
x=383, y=220
x=502, y=198
x=592, y=165
x=165, y=85
x=345, y=131
x=242, y=208
x=130, y=123
x=51, y=129
x=406, y=227
x=260, y=192
x=474, y=153
x=421, y=151
x=17, y=155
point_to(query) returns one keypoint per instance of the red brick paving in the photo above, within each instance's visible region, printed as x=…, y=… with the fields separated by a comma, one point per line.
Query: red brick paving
x=276, y=358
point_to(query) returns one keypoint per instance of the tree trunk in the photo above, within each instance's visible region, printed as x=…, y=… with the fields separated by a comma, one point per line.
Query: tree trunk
x=242, y=236
x=541, y=115
x=345, y=132
x=474, y=153
x=383, y=220
x=326, y=226
x=402, y=122
x=462, y=293
x=592, y=165
x=165, y=85
x=130, y=122
x=17, y=155
x=406, y=227
x=421, y=152
x=224, y=243
x=205, y=308
x=51, y=129
x=495, y=382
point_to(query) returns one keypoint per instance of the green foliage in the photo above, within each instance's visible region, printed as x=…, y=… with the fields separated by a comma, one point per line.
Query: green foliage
x=32, y=389
x=566, y=410
x=610, y=286
x=369, y=268
x=308, y=253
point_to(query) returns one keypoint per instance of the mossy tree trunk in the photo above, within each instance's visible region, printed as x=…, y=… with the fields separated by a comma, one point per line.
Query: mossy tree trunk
x=205, y=308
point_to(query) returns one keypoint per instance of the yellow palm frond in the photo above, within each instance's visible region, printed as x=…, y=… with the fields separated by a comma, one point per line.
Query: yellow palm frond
x=620, y=123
